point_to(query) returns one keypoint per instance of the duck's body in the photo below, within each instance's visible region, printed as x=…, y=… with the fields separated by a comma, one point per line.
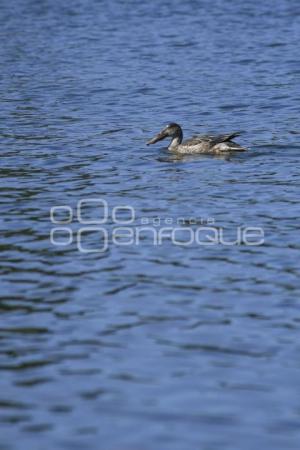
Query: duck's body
x=205, y=144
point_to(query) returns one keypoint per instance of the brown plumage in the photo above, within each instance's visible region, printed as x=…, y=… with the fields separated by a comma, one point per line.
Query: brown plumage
x=209, y=144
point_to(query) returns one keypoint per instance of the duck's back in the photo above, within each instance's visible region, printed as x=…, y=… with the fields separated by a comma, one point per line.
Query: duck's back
x=210, y=144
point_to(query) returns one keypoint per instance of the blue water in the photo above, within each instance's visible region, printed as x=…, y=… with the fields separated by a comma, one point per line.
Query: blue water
x=143, y=347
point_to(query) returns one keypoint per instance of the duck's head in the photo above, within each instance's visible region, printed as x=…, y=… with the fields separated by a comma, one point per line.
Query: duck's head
x=172, y=130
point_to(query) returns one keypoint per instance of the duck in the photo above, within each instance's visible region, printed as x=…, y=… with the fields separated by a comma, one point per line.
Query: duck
x=205, y=144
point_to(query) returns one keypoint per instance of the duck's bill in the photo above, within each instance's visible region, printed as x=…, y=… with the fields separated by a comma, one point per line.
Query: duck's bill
x=156, y=138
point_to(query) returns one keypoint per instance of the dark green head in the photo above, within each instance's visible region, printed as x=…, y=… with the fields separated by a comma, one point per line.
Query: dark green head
x=172, y=130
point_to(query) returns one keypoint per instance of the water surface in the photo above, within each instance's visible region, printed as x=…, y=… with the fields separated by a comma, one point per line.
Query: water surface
x=146, y=347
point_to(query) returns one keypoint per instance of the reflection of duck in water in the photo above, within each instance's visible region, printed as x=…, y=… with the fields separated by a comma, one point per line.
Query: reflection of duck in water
x=198, y=144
